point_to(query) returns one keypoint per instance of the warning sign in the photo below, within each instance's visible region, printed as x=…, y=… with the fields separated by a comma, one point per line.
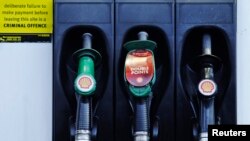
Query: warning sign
x=25, y=17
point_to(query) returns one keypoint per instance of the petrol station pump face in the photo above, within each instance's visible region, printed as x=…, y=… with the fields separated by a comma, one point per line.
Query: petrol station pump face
x=139, y=67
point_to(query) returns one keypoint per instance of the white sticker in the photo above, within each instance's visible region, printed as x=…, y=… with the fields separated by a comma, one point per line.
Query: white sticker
x=85, y=83
x=207, y=87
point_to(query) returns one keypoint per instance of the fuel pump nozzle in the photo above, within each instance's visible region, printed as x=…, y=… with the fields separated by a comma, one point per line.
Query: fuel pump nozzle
x=140, y=76
x=85, y=86
x=207, y=87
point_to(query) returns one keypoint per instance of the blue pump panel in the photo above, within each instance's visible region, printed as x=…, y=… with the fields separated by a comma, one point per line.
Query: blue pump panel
x=72, y=19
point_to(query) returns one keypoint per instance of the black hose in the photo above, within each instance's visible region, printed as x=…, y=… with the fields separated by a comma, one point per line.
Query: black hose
x=141, y=116
x=83, y=121
x=206, y=114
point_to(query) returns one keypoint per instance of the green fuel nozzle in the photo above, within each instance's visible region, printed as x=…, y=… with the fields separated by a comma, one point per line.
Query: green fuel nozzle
x=139, y=75
x=85, y=83
x=85, y=86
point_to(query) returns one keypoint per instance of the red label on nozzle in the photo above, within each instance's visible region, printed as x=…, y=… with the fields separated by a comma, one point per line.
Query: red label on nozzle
x=139, y=67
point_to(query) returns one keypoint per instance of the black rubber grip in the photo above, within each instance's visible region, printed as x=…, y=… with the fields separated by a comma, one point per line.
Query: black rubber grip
x=83, y=114
x=141, y=116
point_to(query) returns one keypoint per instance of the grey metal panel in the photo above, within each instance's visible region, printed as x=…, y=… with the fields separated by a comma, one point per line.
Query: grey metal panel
x=79, y=10
x=144, y=1
x=206, y=13
x=243, y=67
x=206, y=1
x=26, y=92
x=136, y=13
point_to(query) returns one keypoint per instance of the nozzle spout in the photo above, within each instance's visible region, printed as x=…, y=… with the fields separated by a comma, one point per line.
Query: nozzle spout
x=87, y=40
x=143, y=35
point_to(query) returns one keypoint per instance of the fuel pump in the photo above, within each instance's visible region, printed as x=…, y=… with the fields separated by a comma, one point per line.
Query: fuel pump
x=207, y=63
x=139, y=75
x=85, y=86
